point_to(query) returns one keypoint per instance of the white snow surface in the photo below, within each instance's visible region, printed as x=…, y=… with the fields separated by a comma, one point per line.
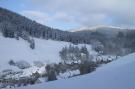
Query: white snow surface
x=46, y=51
x=68, y=74
x=119, y=74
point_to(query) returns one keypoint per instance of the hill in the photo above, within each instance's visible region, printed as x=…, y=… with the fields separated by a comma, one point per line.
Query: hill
x=116, y=41
x=46, y=52
x=115, y=75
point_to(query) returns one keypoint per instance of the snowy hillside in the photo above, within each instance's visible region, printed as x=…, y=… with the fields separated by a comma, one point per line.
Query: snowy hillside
x=46, y=51
x=19, y=61
x=115, y=75
x=106, y=30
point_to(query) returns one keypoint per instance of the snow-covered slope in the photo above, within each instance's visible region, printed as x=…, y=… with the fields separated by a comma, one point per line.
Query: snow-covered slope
x=106, y=30
x=119, y=74
x=46, y=51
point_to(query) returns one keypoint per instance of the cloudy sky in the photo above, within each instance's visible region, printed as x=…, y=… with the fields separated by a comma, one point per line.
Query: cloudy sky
x=71, y=14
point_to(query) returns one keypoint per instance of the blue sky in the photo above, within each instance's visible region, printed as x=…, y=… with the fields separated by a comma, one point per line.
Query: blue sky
x=72, y=14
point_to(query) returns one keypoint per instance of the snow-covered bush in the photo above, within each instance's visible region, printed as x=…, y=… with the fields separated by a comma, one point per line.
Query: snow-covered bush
x=51, y=73
x=32, y=44
x=11, y=62
x=74, y=54
x=68, y=74
x=7, y=72
x=87, y=67
x=3, y=86
x=38, y=63
x=22, y=64
x=35, y=75
x=97, y=46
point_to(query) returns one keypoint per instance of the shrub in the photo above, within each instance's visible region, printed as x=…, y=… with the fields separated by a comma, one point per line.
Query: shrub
x=51, y=73
x=11, y=62
x=22, y=64
x=38, y=63
x=87, y=67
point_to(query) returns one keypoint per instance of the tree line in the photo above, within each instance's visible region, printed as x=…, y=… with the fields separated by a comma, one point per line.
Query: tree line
x=16, y=26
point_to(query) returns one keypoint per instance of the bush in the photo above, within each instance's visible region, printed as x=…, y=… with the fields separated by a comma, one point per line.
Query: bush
x=11, y=62
x=32, y=44
x=36, y=75
x=87, y=67
x=51, y=73
x=22, y=64
x=38, y=63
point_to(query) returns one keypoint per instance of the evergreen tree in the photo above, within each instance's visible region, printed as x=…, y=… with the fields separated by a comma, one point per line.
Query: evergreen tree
x=85, y=51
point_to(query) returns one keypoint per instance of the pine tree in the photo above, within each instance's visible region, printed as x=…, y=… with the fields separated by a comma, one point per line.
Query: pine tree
x=85, y=51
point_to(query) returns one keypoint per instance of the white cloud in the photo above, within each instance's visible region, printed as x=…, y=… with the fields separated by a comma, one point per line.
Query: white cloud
x=63, y=17
x=36, y=15
x=43, y=18
x=89, y=12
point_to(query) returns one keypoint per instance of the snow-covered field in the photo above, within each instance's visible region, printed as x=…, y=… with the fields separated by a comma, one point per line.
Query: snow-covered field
x=119, y=74
x=46, y=51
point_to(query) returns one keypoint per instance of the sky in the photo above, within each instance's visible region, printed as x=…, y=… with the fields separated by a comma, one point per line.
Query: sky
x=72, y=14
